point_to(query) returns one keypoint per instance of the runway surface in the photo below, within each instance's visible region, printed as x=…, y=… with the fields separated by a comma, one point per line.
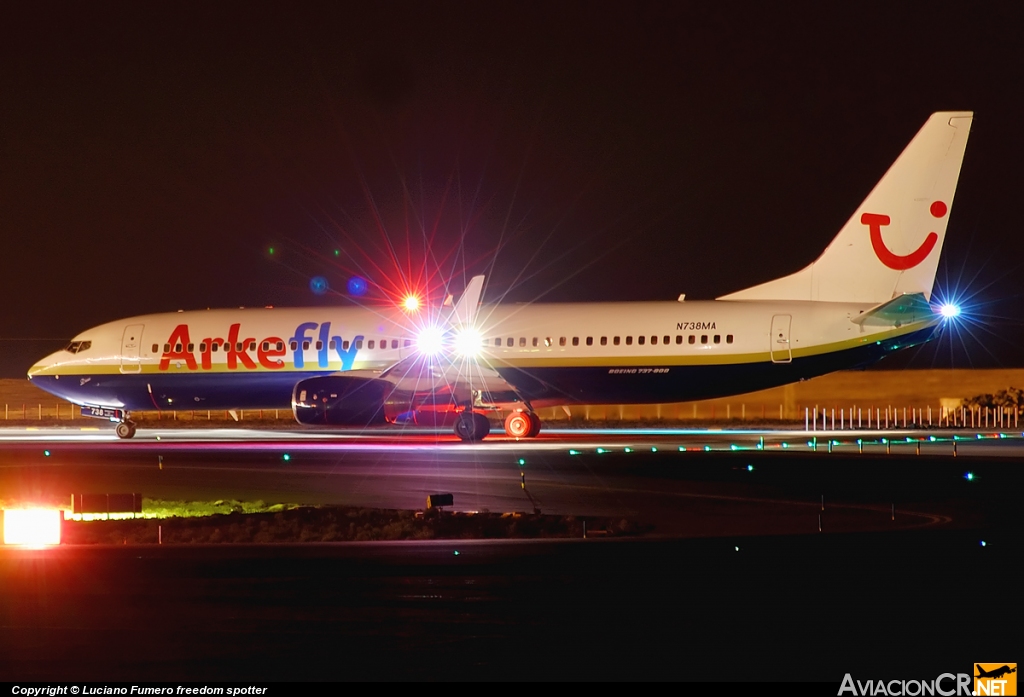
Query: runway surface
x=767, y=557
x=681, y=482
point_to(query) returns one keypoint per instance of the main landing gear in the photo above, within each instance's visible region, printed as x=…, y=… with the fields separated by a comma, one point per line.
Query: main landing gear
x=472, y=426
x=522, y=424
x=125, y=429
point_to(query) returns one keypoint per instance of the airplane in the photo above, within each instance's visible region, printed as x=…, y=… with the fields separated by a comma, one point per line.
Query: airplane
x=867, y=295
x=995, y=672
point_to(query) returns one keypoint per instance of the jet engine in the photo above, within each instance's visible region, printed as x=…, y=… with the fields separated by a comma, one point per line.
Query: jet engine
x=342, y=400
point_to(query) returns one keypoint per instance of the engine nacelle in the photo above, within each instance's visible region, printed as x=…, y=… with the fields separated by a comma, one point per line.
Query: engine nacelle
x=339, y=400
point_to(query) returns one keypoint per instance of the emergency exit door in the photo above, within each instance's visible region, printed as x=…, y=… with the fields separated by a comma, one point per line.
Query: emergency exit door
x=780, y=347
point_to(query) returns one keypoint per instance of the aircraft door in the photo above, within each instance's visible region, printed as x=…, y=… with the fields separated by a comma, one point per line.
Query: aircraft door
x=779, y=337
x=131, y=349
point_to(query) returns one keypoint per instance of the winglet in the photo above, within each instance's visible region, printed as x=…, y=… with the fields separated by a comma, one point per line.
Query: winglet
x=465, y=310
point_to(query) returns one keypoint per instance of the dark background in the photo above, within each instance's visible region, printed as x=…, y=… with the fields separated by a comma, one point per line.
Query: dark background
x=150, y=155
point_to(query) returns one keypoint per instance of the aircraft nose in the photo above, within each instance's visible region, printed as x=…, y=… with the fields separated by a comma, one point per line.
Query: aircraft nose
x=43, y=366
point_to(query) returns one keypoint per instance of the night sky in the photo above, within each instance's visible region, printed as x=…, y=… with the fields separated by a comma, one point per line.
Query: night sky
x=152, y=153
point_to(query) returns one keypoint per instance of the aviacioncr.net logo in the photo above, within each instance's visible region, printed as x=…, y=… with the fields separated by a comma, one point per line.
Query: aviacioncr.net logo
x=945, y=685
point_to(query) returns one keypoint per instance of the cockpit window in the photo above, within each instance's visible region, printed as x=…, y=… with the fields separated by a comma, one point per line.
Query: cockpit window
x=78, y=346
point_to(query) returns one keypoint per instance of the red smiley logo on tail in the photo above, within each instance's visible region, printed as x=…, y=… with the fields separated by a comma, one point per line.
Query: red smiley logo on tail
x=875, y=221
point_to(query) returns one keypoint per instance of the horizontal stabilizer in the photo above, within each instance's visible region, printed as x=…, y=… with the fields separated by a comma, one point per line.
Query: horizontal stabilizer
x=904, y=309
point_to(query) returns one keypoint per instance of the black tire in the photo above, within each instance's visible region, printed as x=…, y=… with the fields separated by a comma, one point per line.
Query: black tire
x=125, y=430
x=471, y=427
x=534, y=426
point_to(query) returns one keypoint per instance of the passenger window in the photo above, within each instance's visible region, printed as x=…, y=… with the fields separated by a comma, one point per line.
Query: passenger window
x=640, y=340
x=319, y=345
x=728, y=338
x=370, y=344
x=604, y=341
x=718, y=338
x=703, y=338
x=561, y=341
x=344, y=345
x=332, y=344
x=191, y=348
x=407, y=343
x=535, y=342
x=692, y=339
x=156, y=348
x=615, y=341
x=394, y=343
x=679, y=338
x=654, y=340
x=497, y=342
x=510, y=342
x=202, y=348
x=305, y=346
x=629, y=341
x=522, y=341
x=252, y=345
x=293, y=346
x=266, y=345
x=177, y=348
x=666, y=339
x=590, y=341
x=280, y=346
x=167, y=348
x=215, y=347
x=575, y=341
x=547, y=341
x=359, y=344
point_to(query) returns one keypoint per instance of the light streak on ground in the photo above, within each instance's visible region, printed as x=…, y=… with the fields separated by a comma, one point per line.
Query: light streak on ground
x=572, y=441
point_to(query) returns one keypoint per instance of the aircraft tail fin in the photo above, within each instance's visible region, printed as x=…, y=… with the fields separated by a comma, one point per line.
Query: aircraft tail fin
x=891, y=244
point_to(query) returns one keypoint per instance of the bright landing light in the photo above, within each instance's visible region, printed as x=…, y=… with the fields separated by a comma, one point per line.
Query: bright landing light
x=31, y=526
x=429, y=341
x=468, y=342
x=949, y=310
x=411, y=303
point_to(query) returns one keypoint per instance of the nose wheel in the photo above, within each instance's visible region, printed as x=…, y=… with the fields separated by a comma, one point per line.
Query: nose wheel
x=522, y=424
x=125, y=429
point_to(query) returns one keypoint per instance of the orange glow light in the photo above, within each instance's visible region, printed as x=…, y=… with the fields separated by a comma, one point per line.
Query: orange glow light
x=34, y=527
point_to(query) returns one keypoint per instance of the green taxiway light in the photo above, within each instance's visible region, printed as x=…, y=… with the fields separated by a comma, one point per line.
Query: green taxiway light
x=629, y=450
x=931, y=438
x=601, y=451
x=46, y=453
x=707, y=448
x=969, y=476
x=456, y=553
x=286, y=457
x=785, y=445
x=522, y=461
x=574, y=452
x=654, y=450
x=732, y=446
x=750, y=468
x=271, y=250
x=337, y=252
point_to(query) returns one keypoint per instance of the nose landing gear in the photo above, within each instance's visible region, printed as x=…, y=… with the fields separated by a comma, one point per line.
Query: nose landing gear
x=125, y=429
